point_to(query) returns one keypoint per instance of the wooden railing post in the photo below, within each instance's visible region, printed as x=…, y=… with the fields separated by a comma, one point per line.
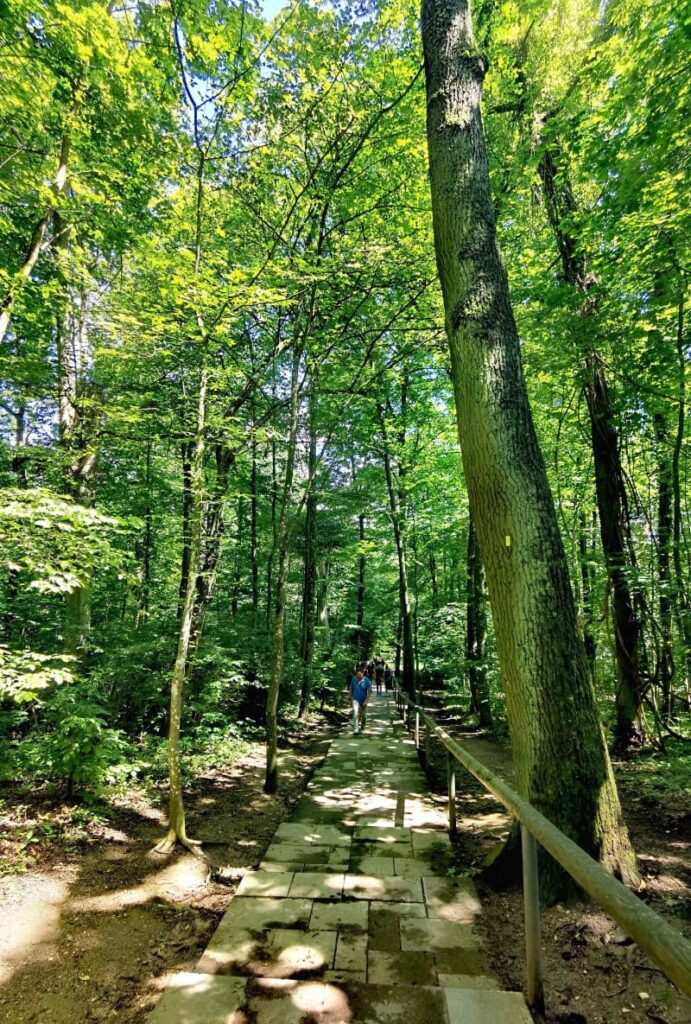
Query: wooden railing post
x=531, y=904
x=417, y=730
x=451, y=776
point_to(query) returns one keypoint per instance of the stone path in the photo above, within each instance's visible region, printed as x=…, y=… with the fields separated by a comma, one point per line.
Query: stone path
x=351, y=917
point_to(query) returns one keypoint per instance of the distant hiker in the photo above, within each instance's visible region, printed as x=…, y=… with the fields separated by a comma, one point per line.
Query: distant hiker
x=360, y=690
x=379, y=674
x=388, y=677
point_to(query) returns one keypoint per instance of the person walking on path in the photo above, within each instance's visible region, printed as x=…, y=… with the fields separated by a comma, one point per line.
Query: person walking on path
x=360, y=689
x=379, y=674
x=388, y=677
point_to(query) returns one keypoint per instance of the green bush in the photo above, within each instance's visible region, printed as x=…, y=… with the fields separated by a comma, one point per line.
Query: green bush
x=74, y=747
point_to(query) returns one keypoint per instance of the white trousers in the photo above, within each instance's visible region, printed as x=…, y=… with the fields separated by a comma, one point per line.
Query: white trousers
x=359, y=715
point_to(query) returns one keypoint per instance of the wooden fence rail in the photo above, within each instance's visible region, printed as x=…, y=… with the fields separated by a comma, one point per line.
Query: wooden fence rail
x=663, y=944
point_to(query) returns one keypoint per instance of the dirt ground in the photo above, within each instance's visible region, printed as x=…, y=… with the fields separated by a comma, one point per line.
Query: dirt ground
x=92, y=935
x=593, y=973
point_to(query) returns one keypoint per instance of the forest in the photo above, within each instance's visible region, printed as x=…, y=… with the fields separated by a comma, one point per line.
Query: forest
x=332, y=329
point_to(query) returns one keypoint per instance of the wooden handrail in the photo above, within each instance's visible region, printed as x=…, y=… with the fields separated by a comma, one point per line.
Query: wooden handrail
x=663, y=944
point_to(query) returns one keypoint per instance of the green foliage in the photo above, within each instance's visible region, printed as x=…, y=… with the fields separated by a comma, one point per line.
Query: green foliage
x=234, y=190
x=24, y=675
x=54, y=544
x=75, y=748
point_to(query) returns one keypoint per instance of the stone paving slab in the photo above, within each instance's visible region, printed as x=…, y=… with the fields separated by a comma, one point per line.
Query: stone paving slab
x=347, y=918
x=265, y=883
x=434, y=934
x=320, y=835
x=464, y=1005
x=368, y=887
x=200, y=999
x=315, y=885
x=351, y=917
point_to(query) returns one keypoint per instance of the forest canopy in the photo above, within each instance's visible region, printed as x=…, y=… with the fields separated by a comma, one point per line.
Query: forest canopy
x=230, y=379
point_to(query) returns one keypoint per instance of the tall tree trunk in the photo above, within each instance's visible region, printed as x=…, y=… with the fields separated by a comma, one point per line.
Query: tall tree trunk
x=186, y=452
x=615, y=532
x=310, y=563
x=586, y=593
x=282, y=545
x=399, y=645
x=476, y=633
x=416, y=597
x=682, y=605
x=360, y=598
x=146, y=546
x=77, y=417
x=665, y=661
x=274, y=533
x=433, y=579
x=177, y=831
x=615, y=529
x=213, y=524
x=254, y=563
x=237, y=568
x=562, y=764
x=323, y=568
x=397, y=498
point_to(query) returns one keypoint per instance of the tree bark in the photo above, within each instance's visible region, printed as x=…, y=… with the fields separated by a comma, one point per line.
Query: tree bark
x=587, y=616
x=77, y=416
x=282, y=550
x=186, y=450
x=177, y=831
x=562, y=764
x=476, y=633
x=310, y=567
x=237, y=568
x=360, y=598
x=615, y=528
x=682, y=605
x=664, y=673
x=397, y=500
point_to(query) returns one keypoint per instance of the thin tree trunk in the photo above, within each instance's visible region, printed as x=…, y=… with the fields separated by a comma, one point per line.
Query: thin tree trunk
x=237, y=569
x=476, y=633
x=176, y=812
x=77, y=413
x=396, y=491
x=665, y=667
x=323, y=593
x=587, y=616
x=360, y=599
x=278, y=626
x=310, y=562
x=433, y=579
x=682, y=605
x=146, y=546
x=186, y=451
x=562, y=764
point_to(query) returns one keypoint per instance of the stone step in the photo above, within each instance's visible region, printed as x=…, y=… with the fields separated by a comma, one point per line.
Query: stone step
x=213, y=999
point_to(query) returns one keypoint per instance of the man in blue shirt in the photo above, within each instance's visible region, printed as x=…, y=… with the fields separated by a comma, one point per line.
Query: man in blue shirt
x=360, y=688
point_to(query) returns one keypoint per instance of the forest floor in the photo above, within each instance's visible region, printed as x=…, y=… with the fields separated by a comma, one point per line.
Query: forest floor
x=93, y=926
x=593, y=973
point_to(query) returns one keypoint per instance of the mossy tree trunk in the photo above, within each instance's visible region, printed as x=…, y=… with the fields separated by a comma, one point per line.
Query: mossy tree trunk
x=562, y=764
